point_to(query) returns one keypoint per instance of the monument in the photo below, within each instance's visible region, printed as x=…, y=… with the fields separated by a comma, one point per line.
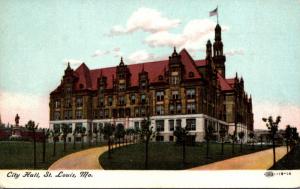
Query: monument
x=16, y=129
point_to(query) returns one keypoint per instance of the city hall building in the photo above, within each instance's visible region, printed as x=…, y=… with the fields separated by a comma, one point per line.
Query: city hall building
x=176, y=91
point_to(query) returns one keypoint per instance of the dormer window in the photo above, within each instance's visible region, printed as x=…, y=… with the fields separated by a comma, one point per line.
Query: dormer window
x=122, y=87
x=122, y=100
x=175, y=95
x=191, y=74
x=79, y=102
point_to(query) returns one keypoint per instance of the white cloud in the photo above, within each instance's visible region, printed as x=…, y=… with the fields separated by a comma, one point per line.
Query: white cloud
x=193, y=37
x=28, y=106
x=73, y=62
x=140, y=56
x=99, y=53
x=146, y=19
x=289, y=114
x=234, y=52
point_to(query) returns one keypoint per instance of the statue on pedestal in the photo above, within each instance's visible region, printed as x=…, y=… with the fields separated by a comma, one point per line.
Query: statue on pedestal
x=17, y=118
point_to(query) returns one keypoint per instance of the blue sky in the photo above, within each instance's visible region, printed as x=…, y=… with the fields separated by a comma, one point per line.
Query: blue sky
x=261, y=40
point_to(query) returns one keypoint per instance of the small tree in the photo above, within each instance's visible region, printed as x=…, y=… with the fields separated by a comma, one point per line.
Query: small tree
x=55, y=133
x=146, y=133
x=295, y=136
x=90, y=137
x=288, y=136
x=241, y=136
x=46, y=134
x=82, y=131
x=222, y=132
x=108, y=131
x=31, y=126
x=100, y=130
x=119, y=132
x=65, y=130
x=208, y=135
x=75, y=134
x=273, y=128
x=181, y=136
x=95, y=133
x=251, y=136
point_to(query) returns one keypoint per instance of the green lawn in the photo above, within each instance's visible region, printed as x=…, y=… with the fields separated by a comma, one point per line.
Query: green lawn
x=19, y=155
x=168, y=156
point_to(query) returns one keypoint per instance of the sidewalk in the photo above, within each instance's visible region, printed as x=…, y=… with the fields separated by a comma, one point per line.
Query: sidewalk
x=258, y=160
x=86, y=159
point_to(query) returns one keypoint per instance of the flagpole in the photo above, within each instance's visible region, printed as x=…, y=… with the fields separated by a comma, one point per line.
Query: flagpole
x=217, y=15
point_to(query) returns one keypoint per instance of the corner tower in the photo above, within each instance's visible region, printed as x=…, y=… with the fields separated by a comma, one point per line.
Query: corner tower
x=218, y=57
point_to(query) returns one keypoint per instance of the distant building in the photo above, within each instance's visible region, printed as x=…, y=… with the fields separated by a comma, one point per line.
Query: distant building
x=178, y=91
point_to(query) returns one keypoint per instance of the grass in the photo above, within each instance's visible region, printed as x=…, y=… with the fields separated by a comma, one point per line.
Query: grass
x=291, y=161
x=168, y=156
x=19, y=154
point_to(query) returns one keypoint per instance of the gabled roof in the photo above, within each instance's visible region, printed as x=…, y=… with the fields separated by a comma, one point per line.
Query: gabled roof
x=224, y=84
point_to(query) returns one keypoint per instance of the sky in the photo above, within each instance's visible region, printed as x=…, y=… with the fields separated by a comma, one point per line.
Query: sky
x=261, y=42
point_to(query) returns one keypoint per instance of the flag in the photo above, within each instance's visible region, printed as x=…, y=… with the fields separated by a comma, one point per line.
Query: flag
x=214, y=12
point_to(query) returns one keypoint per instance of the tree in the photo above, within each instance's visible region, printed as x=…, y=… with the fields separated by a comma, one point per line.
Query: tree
x=288, y=136
x=208, y=135
x=222, y=132
x=181, y=136
x=146, y=133
x=273, y=128
x=31, y=126
x=119, y=132
x=75, y=133
x=95, y=132
x=241, y=136
x=65, y=130
x=46, y=134
x=100, y=131
x=55, y=133
x=233, y=138
x=295, y=135
x=108, y=131
x=251, y=136
x=82, y=131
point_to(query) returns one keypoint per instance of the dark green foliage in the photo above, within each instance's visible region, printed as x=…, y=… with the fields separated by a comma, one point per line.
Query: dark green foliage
x=181, y=136
x=31, y=126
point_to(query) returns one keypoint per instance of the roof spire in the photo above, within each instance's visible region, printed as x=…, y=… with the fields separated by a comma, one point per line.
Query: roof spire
x=121, y=62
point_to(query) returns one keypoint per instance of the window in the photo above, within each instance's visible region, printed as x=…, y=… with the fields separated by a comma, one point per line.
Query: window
x=101, y=101
x=127, y=112
x=160, y=125
x=79, y=102
x=159, y=138
x=136, y=125
x=191, y=124
x=121, y=112
x=114, y=112
x=78, y=114
x=56, y=128
x=143, y=111
x=143, y=98
x=110, y=100
x=68, y=114
x=56, y=115
x=178, y=123
x=175, y=95
x=78, y=126
x=178, y=108
x=68, y=103
x=121, y=100
x=57, y=103
x=136, y=112
x=160, y=110
x=95, y=114
x=122, y=87
x=159, y=96
x=174, y=79
x=190, y=93
x=191, y=108
x=101, y=113
x=132, y=99
x=172, y=109
x=171, y=125
x=69, y=127
x=106, y=113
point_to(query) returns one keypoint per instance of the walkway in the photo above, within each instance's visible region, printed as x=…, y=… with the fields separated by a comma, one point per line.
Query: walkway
x=258, y=160
x=86, y=159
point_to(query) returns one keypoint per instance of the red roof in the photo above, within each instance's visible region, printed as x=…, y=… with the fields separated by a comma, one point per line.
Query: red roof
x=88, y=79
x=224, y=84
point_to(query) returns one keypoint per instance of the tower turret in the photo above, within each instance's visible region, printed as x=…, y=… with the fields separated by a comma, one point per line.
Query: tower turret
x=218, y=58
